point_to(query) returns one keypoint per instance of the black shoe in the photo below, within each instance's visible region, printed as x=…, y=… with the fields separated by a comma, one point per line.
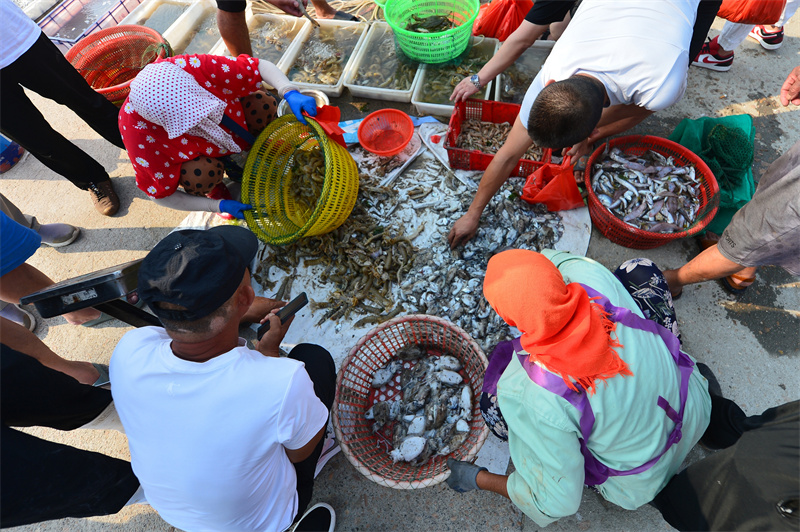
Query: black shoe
x=318, y=518
x=104, y=198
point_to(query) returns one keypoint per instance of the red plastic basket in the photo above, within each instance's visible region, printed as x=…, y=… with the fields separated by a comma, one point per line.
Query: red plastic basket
x=632, y=237
x=485, y=111
x=385, y=132
x=111, y=58
x=354, y=395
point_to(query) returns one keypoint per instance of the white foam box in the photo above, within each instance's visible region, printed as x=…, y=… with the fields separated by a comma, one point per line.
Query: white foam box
x=296, y=26
x=293, y=53
x=69, y=22
x=376, y=33
x=531, y=60
x=427, y=108
x=141, y=15
x=183, y=30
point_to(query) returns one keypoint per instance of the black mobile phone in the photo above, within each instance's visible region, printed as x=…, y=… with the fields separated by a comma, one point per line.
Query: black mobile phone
x=285, y=313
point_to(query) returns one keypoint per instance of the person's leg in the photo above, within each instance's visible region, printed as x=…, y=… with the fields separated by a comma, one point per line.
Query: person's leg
x=706, y=13
x=55, y=235
x=646, y=284
x=15, y=214
x=322, y=371
x=43, y=480
x=260, y=108
x=731, y=36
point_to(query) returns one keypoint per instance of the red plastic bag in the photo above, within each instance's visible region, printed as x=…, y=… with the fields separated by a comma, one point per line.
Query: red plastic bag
x=500, y=18
x=752, y=11
x=554, y=185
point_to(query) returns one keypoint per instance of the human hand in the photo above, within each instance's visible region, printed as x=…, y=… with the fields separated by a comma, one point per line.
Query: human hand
x=790, y=91
x=270, y=343
x=578, y=150
x=289, y=6
x=463, y=230
x=259, y=309
x=463, y=90
x=299, y=103
x=463, y=475
x=234, y=208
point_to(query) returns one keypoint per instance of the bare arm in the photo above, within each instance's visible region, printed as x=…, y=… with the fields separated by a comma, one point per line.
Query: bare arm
x=21, y=339
x=181, y=201
x=233, y=30
x=491, y=482
x=519, y=41
x=496, y=174
x=298, y=455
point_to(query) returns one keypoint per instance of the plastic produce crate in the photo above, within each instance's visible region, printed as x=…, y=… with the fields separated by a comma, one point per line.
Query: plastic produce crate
x=377, y=33
x=159, y=15
x=199, y=18
x=286, y=28
x=485, y=111
x=530, y=62
x=72, y=20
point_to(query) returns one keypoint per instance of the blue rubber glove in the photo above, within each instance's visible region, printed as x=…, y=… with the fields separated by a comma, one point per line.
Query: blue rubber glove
x=463, y=475
x=299, y=103
x=234, y=208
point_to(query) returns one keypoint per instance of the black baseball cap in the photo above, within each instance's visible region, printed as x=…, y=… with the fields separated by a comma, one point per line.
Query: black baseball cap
x=198, y=270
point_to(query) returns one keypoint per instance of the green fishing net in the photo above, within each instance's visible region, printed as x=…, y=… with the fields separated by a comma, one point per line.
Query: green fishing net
x=726, y=145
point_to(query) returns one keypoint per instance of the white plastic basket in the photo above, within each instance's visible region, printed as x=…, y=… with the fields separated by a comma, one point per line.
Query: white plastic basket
x=429, y=108
x=296, y=49
x=531, y=61
x=377, y=32
x=181, y=34
x=144, y=11
x=295, y=26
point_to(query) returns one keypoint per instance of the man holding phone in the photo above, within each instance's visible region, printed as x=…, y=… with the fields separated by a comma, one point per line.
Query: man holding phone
x=222, y=437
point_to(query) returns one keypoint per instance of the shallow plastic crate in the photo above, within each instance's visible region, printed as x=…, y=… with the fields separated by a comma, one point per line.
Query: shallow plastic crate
x=377, y=32
x=485, y=111
x=291, y=55
x=58, y=24
x=531, y=60
x=182, y=32
x=296, y=27
x=429, y=108
x=144, y=11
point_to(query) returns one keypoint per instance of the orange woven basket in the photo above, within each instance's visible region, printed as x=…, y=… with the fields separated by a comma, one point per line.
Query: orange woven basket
x=385, y=132
x=365, y=449
x=109, y=59
x=626, y=235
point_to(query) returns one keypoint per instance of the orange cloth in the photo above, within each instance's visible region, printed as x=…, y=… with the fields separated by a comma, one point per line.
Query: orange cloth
x=561, y=327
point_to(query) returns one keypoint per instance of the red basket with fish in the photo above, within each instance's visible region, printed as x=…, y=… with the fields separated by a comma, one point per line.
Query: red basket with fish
x=109, y=59
x=442, y=370
x=492, y=112
x=655, y=209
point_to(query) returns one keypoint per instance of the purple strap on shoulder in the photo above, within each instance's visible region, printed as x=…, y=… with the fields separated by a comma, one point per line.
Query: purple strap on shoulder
x=596, y=472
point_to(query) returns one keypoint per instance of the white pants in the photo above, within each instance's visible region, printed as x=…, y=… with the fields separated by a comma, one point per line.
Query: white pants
x=733, y=34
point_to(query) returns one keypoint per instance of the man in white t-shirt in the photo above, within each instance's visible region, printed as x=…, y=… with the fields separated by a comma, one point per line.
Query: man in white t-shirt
x=222, y=437
x=617, y=62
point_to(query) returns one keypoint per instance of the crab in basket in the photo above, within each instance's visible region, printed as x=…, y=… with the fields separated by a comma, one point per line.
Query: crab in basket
x=421, y=404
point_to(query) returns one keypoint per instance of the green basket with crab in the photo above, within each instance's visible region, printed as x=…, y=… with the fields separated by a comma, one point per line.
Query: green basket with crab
x=432, y=31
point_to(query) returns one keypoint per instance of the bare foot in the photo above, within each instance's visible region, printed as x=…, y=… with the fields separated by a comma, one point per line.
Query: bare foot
x=82, y=316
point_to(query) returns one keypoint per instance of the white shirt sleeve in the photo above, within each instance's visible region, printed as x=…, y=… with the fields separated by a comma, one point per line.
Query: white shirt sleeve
x=302, y=414
x=534, y=89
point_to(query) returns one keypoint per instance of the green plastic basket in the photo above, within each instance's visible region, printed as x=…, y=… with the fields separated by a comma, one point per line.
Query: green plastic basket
x=432, y=48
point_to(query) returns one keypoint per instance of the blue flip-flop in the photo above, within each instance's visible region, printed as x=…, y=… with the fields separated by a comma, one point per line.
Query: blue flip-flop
x=103, y=379
x=341, y=15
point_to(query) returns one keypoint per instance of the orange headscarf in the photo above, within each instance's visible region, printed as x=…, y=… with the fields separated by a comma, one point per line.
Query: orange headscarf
x=561, y=327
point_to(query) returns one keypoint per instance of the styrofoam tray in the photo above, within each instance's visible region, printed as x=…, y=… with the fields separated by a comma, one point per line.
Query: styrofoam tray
x=147, y=8
x=182, y=31
x=291, y=55
x=427, y=108
x=377, y=31
x=530, y=58
x=63, y=15
x=298, y=24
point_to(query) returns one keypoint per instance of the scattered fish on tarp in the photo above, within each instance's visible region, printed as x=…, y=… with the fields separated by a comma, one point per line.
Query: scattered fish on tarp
x=649, y=191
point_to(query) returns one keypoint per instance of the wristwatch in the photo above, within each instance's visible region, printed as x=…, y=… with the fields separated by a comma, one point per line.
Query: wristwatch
x=476, y=81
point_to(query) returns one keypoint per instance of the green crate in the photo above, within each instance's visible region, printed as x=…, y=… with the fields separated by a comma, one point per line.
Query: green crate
x=432, y=48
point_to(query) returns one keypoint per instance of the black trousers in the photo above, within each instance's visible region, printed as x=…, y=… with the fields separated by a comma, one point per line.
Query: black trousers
x=42, y=480
x=706, y=12
x=44, y=70
x=752, y=484
x=322, y=370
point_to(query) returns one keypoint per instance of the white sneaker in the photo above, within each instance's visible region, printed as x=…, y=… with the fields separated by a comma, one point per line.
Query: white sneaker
x=19, y=316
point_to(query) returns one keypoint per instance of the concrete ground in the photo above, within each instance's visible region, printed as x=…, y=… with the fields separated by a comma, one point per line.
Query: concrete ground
x=753, y=343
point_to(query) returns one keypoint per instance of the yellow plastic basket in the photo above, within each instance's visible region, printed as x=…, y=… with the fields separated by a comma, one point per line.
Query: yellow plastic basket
x=276, y=217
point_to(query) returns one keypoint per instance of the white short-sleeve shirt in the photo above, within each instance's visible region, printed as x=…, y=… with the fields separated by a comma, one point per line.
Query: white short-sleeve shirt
x=208, y=440
x=19, y=33
x=638, y=49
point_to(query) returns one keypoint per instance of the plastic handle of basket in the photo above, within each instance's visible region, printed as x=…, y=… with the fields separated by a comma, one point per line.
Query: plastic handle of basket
x=328, y=118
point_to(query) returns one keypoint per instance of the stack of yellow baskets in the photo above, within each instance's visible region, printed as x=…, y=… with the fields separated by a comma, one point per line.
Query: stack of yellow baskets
x=276, y=218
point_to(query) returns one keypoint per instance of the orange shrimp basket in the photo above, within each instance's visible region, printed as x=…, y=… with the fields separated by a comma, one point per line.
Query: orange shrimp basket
x=368, y=450
x=385, y=132
x=110, y=59
x=629, y=236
